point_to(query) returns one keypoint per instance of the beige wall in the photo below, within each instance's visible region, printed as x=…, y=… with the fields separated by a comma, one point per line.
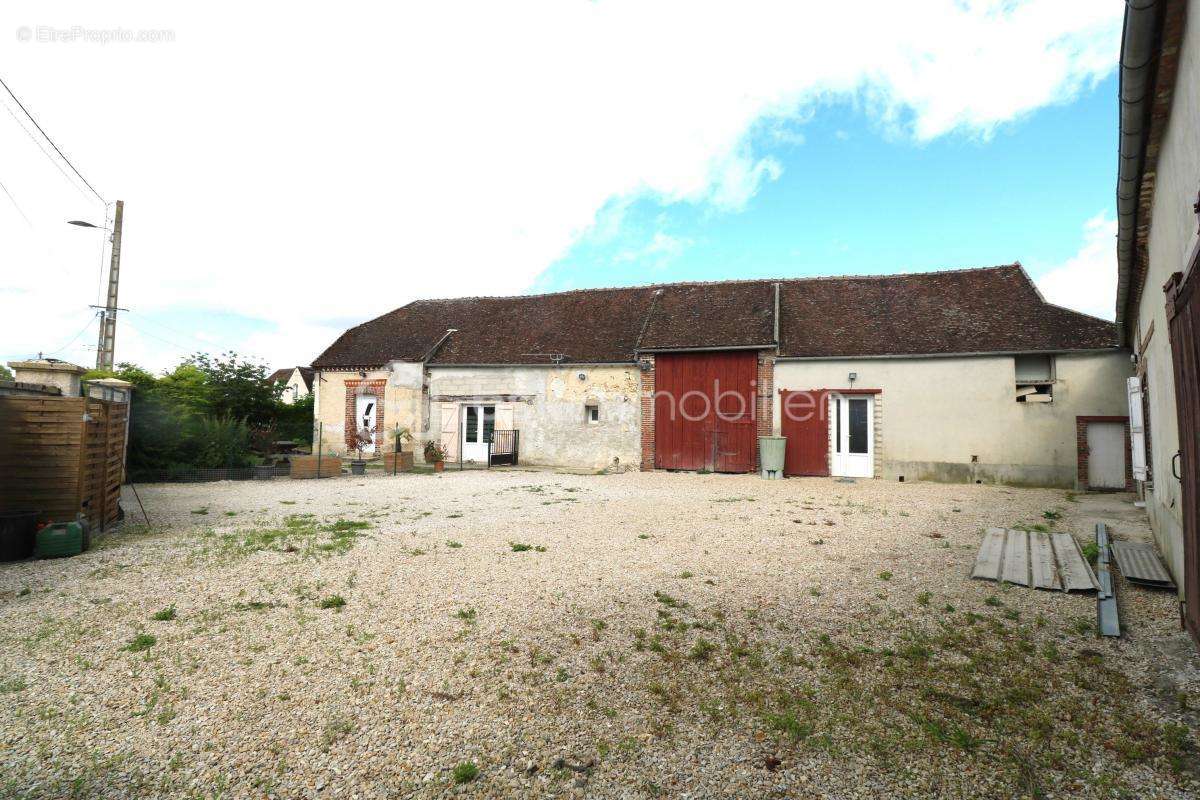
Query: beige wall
x=402, y=403
x=1171, y=240
x=294, y=388
x=548, y=409
x=937, y=413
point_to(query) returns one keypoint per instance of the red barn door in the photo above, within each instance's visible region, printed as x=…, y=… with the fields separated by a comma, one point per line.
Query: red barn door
x=805, y=423
x=704, y=411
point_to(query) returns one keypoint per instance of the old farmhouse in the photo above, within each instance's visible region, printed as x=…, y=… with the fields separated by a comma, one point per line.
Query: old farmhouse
x=964, y=375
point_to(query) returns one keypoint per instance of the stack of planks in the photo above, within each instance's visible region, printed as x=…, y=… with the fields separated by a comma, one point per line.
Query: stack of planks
x=1033, y=558
x=62, y=456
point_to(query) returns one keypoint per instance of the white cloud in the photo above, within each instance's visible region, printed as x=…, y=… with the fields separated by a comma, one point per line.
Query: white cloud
x=660, y=251
x=298, y=165
x=1087, y=281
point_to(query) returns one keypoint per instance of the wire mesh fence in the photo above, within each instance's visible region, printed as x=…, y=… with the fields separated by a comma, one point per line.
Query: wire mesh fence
x=186, y=474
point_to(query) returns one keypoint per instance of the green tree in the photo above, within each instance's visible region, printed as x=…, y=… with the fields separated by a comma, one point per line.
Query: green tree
x=5, y=373
x=238, y=388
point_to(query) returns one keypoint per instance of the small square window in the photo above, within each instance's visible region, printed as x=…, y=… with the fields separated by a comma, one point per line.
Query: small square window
x=1035, y=378
x=591, y=414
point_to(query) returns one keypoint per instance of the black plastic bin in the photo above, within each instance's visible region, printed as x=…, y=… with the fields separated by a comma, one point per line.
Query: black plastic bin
x=17, y=531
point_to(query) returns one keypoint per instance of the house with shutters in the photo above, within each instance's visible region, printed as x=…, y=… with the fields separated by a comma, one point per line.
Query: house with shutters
x=1158, y=274
x=961, y=375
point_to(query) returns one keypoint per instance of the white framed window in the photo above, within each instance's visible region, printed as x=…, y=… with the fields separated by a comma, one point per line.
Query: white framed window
x=591, y=414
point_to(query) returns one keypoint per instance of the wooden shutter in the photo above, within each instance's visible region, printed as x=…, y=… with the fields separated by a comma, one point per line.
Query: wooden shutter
x=1137, y=429
x=504, y=417
x=449, y=432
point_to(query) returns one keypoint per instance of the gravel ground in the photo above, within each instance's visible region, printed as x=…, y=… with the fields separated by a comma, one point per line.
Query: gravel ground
x=634, y=635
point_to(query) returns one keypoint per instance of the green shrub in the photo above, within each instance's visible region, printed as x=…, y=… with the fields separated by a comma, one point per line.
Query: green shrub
x=165, y=614
x=465, y=772
x=143, y=641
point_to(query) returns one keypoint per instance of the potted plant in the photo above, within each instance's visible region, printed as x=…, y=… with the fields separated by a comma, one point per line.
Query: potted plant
x=360, y=439
x=435, y=454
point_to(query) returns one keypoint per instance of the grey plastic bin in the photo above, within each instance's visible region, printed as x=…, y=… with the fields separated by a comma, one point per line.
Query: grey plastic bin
x=770, y=456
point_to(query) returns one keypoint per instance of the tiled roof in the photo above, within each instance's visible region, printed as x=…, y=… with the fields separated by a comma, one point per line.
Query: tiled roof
x=991, y=310
x=995, y=309
x=729, y=314
x=285, y=374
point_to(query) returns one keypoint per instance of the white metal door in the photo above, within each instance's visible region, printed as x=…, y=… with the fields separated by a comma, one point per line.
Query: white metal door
x=364, y=418
x=853, y=432
x=478, y=423
x=1106, y=455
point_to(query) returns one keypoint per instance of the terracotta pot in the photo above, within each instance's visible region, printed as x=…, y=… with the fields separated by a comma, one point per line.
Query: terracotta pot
x=439, y=466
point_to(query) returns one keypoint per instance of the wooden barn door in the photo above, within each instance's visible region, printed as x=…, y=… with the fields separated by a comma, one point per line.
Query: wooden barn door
x=704, y=411
x=1183, y=315
x=805, y=424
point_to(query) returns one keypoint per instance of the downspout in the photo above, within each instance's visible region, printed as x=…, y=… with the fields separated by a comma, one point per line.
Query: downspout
x=1139, y=57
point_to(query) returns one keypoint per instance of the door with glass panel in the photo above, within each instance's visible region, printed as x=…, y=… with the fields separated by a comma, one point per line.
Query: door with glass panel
x=478, y=425
x=853, y=435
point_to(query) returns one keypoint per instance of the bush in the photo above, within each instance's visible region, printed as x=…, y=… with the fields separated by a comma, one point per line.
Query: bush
x=208, y=412
x=222, y=443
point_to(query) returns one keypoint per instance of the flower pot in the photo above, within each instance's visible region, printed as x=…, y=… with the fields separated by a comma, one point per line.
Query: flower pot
x=439, y=466
x=358, y=467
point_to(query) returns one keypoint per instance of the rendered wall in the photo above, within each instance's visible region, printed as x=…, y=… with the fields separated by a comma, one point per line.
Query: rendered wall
x=957, y=419
x=548, y=410
x=402, y=404
x=1172, y=236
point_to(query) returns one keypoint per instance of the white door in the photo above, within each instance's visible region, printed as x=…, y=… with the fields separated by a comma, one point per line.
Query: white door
x=1106, y=455
x=478, y=423
x=853, y=435
x=364, y=418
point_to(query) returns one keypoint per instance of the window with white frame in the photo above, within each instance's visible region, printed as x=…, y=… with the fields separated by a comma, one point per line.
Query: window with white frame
x=591, y=413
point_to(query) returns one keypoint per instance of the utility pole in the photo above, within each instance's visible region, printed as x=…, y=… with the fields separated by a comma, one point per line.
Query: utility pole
x=107, y=343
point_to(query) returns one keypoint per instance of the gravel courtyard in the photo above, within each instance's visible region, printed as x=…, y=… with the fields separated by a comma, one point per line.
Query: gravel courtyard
x=530, y=634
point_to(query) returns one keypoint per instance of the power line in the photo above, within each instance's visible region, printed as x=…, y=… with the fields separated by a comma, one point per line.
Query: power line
x=205, y=344
x=15, y=204
x=74, y=184
x=48, y=139
x=73, y=338
x=144, y=332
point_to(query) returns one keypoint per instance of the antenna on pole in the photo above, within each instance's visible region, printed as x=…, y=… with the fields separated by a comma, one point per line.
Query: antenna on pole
x=106, y=345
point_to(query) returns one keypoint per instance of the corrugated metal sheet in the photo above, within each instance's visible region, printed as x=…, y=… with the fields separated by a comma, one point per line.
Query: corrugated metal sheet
x=1139, y=563
x=1040, y=560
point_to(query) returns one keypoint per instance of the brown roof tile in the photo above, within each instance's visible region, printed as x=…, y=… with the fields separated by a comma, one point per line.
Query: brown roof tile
x=995, y=309
x=729, y=314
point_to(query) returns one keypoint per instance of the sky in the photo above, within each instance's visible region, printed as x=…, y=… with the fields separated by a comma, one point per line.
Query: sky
x=292, y=169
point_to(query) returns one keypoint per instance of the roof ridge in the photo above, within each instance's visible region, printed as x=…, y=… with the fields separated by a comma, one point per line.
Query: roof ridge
x=727, y=282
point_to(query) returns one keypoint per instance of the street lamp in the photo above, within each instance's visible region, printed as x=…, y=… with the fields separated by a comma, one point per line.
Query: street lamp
x=83, y=224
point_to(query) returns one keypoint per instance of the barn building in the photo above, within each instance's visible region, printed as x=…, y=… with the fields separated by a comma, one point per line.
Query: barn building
x=963, y=375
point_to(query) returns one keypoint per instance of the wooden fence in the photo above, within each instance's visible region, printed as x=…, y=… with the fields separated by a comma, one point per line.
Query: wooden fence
x=62, y=456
